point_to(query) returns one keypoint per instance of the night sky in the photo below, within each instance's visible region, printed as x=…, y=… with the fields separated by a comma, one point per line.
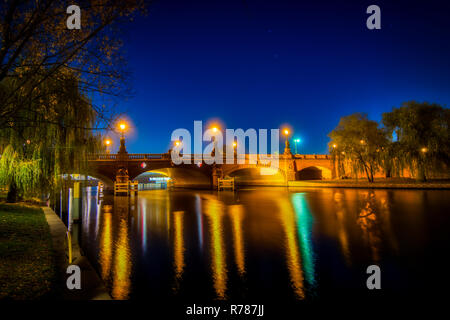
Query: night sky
x=259, y=64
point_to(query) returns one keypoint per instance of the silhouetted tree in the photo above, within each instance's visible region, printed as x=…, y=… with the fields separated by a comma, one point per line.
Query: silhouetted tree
x=51, y=140
x=35, y=45
x=361, y=142
x=46, y=74
x=422, y=137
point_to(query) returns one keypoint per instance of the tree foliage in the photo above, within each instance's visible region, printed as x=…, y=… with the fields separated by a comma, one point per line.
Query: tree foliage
x=414, y=136
x=422, y=134
x=361, y=142
x=18, y=173
x=49, y=77
x=36, y=45
x=50, y=142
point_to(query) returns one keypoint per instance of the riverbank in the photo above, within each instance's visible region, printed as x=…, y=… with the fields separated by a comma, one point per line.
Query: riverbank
x=92, y=287
x=27, y=265
x=33, y=251
x=394, y=183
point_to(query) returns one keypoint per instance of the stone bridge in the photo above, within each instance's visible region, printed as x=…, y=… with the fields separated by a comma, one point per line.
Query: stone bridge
x=199, y=174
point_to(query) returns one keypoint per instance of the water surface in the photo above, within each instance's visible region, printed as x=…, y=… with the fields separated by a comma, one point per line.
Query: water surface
x=266, y=243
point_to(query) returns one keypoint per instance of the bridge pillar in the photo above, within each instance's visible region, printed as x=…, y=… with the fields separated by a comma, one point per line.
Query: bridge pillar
x=287, y=149
x=334, y=173
x=287, y=164
x=217, y=173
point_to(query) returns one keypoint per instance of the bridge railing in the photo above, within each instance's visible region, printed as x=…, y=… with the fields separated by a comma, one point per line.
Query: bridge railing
x=195, y=157
x=131, y=156
x=102, y=156
x=312, y=156
x=146, y=156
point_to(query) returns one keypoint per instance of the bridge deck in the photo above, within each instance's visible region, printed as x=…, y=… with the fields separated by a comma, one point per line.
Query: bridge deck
x=195, y=157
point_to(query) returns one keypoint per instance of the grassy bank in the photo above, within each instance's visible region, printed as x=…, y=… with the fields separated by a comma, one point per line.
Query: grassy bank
x=27, y=269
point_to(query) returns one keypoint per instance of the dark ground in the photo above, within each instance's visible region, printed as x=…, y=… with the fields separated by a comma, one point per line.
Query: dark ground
x=27, y=268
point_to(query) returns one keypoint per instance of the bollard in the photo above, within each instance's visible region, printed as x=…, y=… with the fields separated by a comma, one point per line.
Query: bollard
x=76, y=209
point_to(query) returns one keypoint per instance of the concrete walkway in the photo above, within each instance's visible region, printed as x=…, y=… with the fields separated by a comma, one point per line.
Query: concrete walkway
x=367, y=185
x=92, y=287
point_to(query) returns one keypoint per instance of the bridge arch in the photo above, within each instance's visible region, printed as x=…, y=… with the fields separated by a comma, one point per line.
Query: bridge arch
x=96, y=175
x=253, y=174
x=183, y=176
x=313, y=173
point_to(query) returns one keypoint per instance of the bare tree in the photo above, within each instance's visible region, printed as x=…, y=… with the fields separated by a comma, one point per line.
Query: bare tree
x=36, y=45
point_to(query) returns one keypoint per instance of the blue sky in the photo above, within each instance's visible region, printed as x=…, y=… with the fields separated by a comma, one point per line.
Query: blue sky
x=259, y=64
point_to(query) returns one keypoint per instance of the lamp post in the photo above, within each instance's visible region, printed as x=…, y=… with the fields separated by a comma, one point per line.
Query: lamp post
x=122, y=128
x=295, y=144
x=107, y=143
x=421, y=172
x=176, y=146
x=215, y=130
x=287, y=149
x=335, y=155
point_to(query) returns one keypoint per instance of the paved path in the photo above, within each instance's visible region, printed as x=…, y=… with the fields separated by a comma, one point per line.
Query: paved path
x=367, y=185
x=92, y=287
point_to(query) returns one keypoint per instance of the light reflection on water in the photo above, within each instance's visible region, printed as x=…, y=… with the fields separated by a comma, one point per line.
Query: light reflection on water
x=121, y=268
x=237, y=214
x=264, y=242
x=179, y=244
x=293, y=257
x=214, y=211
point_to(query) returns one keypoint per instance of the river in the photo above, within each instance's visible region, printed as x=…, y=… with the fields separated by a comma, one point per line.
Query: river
x=259, y=243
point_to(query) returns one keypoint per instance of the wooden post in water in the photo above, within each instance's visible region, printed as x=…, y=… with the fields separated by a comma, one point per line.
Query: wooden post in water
x=76, y=208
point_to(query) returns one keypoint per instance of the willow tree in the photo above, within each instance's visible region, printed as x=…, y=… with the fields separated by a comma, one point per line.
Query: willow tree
x=422, y=137
x=49, y=138
x=19, y=174
x=360, y=142
x=47, y=72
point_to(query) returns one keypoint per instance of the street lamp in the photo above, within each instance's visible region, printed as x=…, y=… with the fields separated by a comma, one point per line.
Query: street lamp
x=295, y=144
x=215, y=129
x=287, y=149
x=286, y=134
x=424, y=150
x=234, y=148
x=107, y=143
x=122, y=127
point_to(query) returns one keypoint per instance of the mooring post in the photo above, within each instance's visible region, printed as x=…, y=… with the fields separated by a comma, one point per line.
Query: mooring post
x=76, y=205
